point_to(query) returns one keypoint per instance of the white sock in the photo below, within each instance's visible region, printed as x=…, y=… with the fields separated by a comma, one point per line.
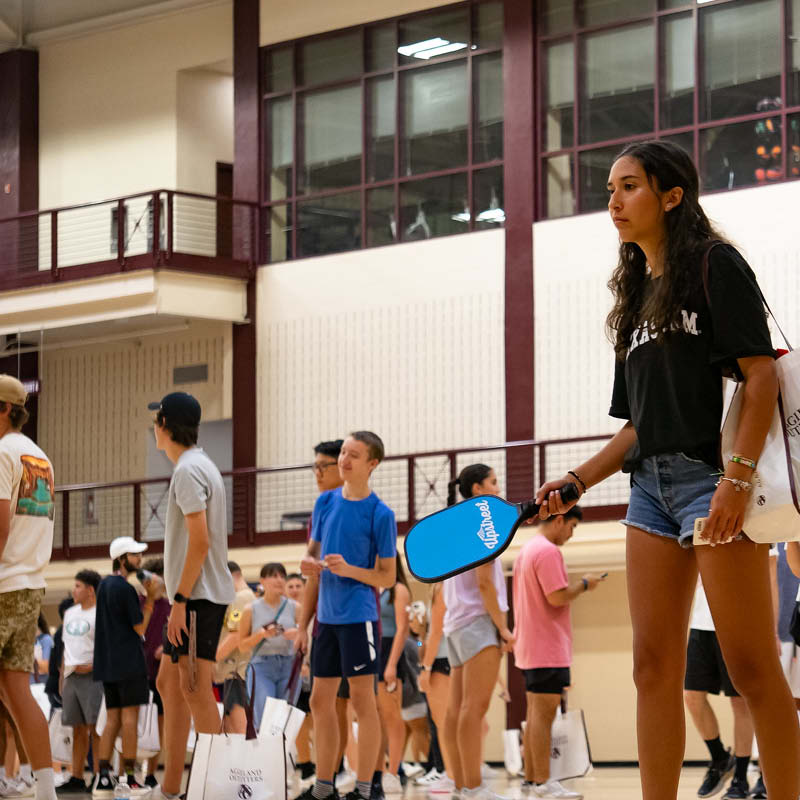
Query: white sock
x=26, y=772
x=45, y=784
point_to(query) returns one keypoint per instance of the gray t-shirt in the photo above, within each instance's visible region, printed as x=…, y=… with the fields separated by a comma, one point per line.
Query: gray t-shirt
x=264, y=614
x=197, y=485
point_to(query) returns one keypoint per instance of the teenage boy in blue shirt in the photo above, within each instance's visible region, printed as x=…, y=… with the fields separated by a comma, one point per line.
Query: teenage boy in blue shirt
x=351, y=553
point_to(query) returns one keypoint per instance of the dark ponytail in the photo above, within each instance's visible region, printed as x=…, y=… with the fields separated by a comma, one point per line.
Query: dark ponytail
x=468, y=477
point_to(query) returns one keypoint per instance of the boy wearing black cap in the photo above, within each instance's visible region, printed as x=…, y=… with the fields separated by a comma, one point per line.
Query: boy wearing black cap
x=27, y=505
x=198, y=581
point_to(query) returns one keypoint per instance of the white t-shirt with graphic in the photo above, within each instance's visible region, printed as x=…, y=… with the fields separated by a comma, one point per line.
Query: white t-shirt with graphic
x=26, y=479
x=78, y=636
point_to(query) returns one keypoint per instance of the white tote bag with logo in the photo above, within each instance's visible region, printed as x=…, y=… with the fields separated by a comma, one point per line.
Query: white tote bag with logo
x=60, y=738
x=773, y=513
x=230, y=767
x=570, y=756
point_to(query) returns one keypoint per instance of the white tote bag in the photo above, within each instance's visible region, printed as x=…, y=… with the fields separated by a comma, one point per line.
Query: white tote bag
x=773, y=513
x=60, y=738
x=570, y=756
x=230, y=767
x=512, y=754
x=147, y=737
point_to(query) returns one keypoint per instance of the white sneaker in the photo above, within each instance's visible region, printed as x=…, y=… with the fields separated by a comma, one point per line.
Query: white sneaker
x=413, y=770
x=431, y=776
x=17, y=787
x=439, y=787
x=526, y=789
x=391, y=784
x=555, y=789
x=487, y=771
x=482, y=792
x=345, y=781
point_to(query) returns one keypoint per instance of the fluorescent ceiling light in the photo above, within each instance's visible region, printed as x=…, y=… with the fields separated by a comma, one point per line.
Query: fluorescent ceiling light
x=413, y=49
x=429, y=48
x=492, y=215
x=450, y=47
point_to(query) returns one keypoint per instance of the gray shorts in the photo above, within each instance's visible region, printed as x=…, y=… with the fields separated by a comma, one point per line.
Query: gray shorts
x=465, y=643
x=82, y=696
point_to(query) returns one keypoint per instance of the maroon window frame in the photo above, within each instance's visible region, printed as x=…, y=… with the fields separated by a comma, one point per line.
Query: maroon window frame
x=398, y=180
x=658, y=17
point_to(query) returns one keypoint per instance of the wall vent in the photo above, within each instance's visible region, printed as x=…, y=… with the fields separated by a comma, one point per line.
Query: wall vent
x=196, y=373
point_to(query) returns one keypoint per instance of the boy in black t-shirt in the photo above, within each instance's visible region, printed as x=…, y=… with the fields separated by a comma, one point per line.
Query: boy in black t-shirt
x=119, y=662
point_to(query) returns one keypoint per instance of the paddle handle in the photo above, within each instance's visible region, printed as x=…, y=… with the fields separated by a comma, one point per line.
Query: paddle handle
x=530, y=509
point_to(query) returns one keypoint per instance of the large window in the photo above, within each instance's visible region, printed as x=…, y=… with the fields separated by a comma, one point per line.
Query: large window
x=384, y=133
x=721, y=78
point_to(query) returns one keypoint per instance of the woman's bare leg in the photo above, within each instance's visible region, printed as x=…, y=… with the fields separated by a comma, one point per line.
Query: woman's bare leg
x=661, y=581
x=736, y=581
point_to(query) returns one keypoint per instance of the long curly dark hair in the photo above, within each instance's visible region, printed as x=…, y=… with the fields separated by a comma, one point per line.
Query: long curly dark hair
x=688, y=235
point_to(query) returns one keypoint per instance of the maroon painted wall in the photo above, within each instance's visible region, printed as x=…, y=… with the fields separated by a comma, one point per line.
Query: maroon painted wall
x=19, y=158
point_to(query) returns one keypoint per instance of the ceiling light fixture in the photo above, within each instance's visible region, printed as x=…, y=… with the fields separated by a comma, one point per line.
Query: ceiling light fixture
x=427, y=44
x=430, y=48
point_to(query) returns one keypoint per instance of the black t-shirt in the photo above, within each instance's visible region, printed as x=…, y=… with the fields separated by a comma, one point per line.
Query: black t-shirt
x=672, y=389
x=118, y=649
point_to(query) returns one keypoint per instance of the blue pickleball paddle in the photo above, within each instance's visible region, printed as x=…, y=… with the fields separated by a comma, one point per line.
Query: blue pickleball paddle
x=470, y=533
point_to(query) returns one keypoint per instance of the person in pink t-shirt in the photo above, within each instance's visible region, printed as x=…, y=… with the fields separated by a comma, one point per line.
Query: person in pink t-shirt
x=543, y=648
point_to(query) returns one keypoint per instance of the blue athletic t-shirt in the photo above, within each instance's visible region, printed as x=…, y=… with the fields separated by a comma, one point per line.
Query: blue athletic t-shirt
x=360, y=531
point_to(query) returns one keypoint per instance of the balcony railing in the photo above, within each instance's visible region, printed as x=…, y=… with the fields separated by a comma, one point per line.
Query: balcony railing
x=162, y=228
x=272, y=505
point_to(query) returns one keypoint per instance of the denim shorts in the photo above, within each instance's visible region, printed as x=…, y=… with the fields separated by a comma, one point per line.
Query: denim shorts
x=668, y=492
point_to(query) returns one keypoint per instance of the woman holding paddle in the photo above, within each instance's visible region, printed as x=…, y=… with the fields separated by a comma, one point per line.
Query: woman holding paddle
x=672, y=347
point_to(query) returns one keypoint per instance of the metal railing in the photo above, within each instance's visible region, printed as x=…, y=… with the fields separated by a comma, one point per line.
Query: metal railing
x=272, y=505
x=160, y=228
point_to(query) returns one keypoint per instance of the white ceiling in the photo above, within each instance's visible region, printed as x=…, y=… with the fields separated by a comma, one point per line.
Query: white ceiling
x=30, y=22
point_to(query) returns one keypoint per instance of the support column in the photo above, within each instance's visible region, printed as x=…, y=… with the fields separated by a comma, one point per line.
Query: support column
x=246, y=171
x=519, y=177
x=19, y=159
x=519, y=190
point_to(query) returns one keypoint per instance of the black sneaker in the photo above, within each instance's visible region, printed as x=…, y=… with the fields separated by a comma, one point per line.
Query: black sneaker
x=103, y=786
x=738, y=790
x=715, y=776
x=356, y=795
x=308, y=794
x=307, y=770
x=375, y=791
x=759, y=791
x=73, y=786
x=151, y=781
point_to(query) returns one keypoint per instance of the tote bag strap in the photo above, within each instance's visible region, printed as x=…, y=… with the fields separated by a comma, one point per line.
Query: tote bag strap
x=706, y=283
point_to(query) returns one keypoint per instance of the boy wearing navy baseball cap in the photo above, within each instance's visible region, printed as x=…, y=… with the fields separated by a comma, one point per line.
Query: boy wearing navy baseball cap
x=198, y=582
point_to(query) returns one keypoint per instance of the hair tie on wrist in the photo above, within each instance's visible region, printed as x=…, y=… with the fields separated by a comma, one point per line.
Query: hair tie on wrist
x=579, y=479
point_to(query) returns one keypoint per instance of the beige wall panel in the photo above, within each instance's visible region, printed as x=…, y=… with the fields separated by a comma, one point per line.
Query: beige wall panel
x=93, y=417
x=108, y=104
x=205, y=129
x=404, y=340
x=318, y=16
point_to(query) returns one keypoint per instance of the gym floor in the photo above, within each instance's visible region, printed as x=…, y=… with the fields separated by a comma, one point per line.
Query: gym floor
x=603, y=783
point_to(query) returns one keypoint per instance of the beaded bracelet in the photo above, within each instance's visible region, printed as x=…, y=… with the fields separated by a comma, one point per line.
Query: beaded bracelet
x=743, y=460
x=578, y=478
x=741, y=486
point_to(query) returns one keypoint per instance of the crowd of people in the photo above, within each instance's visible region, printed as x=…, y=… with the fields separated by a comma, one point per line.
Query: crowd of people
x=347, y=642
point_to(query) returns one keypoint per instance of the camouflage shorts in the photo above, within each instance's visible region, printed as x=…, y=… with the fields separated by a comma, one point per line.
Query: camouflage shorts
x=19, y=615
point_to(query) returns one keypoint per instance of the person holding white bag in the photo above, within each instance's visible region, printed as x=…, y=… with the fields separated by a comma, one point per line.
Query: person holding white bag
x=672, y=346
x=81, y=694
x=543, y=648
